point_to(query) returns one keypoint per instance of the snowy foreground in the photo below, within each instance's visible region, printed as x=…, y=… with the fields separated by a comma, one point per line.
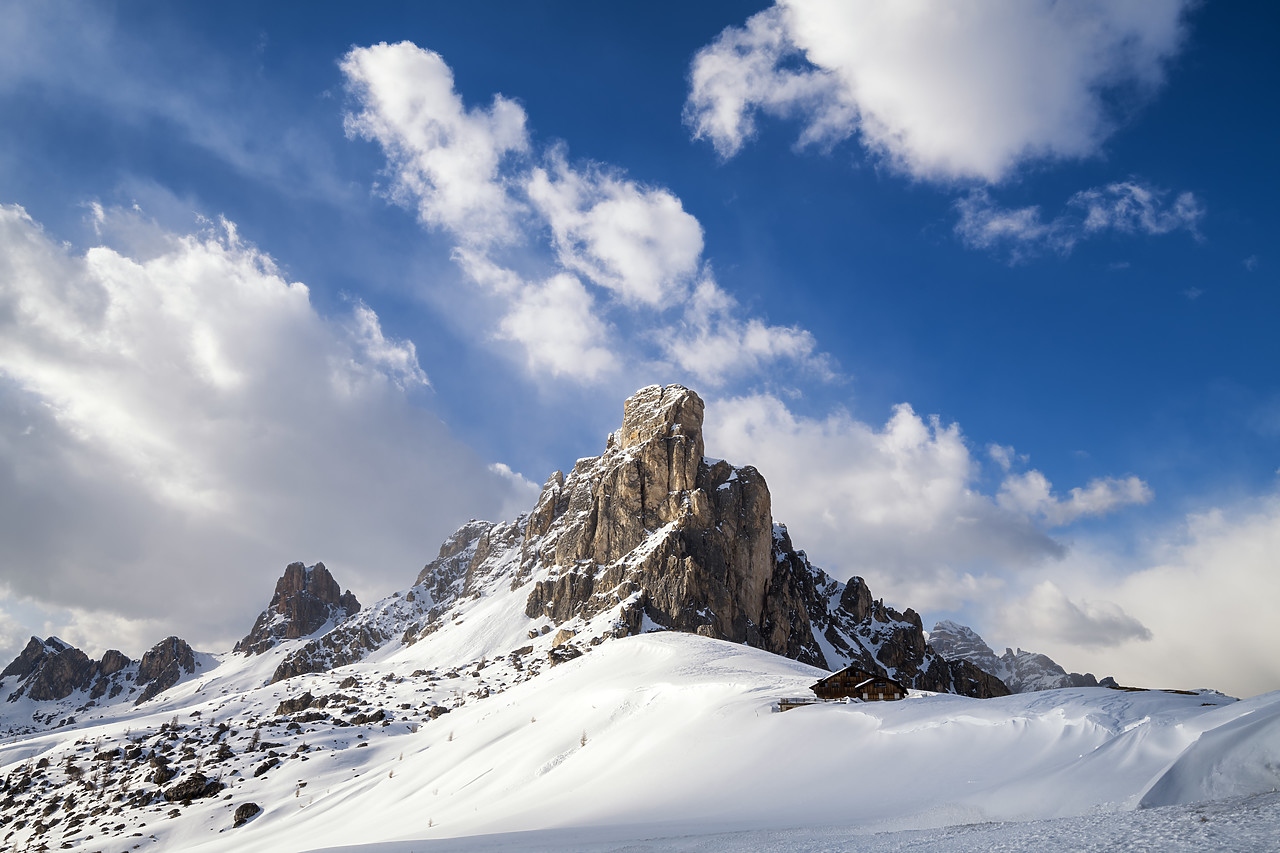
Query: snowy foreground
x=668, y=742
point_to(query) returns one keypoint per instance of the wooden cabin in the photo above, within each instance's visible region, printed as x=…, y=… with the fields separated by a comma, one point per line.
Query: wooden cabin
x=852, y=682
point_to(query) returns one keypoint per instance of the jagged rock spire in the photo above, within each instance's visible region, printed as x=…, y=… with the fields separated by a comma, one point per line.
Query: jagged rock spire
x=306, y=598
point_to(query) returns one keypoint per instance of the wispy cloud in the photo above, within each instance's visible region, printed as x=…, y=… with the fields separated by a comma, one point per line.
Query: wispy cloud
x=588, y=268
x=937, y=90
x=1125, y=207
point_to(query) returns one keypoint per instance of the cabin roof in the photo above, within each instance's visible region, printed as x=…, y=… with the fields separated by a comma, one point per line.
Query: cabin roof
x=863, y=675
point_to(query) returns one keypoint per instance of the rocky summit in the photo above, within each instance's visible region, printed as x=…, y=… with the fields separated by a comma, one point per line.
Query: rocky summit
x=1021, y=671
x=307, y=598
x=56, y=673
x=653, y=535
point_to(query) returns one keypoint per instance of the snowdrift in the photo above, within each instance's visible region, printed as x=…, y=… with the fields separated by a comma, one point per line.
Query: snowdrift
x=674, y=734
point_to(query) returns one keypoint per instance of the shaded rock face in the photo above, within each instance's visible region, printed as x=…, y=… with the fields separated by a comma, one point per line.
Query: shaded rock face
x=1022, y=671
x=30, y=659
x=244, y=813
x=163, y=666
x=51, y=669
x=306, y=598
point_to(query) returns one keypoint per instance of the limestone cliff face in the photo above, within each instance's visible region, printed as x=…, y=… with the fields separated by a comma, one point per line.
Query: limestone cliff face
x=686, y=540
x=306, y=598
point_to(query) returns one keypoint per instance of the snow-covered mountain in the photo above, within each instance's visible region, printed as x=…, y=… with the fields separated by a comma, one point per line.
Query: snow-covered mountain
x=1021, y=671
x=610, y=659
x=649, y=535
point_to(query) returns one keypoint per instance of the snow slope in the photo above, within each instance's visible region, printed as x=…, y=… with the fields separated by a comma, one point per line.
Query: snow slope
x=672, y=736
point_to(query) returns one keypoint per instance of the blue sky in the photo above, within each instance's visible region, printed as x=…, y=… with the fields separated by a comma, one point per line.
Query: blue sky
x=988, y=296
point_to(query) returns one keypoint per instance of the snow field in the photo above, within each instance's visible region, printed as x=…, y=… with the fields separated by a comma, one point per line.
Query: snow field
x=680, y=740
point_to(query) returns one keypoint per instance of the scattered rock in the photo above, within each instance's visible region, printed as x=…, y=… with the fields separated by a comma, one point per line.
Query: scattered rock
x=266, y=765
x=245, y=812
x=298, y=703
x=193, y=787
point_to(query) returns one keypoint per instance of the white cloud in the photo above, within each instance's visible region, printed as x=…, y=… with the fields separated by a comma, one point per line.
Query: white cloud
x=714, y=342
x=187, y=424
x=940, y=91
x=743, y=71
x=1049, y=613
x=398, y=360
x=584, y=267
x=1204, y=589
x=556, y=323
x=1127, y=207
x=1031, y=494
x=898, y=504
x=635, y=241
x=445, y=158
x=1003, y=455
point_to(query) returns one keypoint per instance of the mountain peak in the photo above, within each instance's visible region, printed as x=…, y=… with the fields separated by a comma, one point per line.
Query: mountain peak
x=305, y=600
x=658, y=412
x=1022, y=672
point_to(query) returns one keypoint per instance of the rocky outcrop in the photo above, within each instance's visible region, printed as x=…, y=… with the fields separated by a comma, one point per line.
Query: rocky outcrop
x=31, y=658
x=687, y=540
x=468, y=560
x=163, y=666
x=49, y=670
x=1022, y=671
x=306, y=599
x=194, y=786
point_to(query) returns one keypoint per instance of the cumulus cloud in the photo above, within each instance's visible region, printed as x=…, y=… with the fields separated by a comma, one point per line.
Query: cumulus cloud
x=899, y=504
x=1125, y=207
x=638, y=242
x=1048, y=612
x=444, y=159
x=1198, y=589
x=938, y=91
x=1030, y=493
x=713, y=341
x=557, y=324
x=187, y=423
x=586, y=268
